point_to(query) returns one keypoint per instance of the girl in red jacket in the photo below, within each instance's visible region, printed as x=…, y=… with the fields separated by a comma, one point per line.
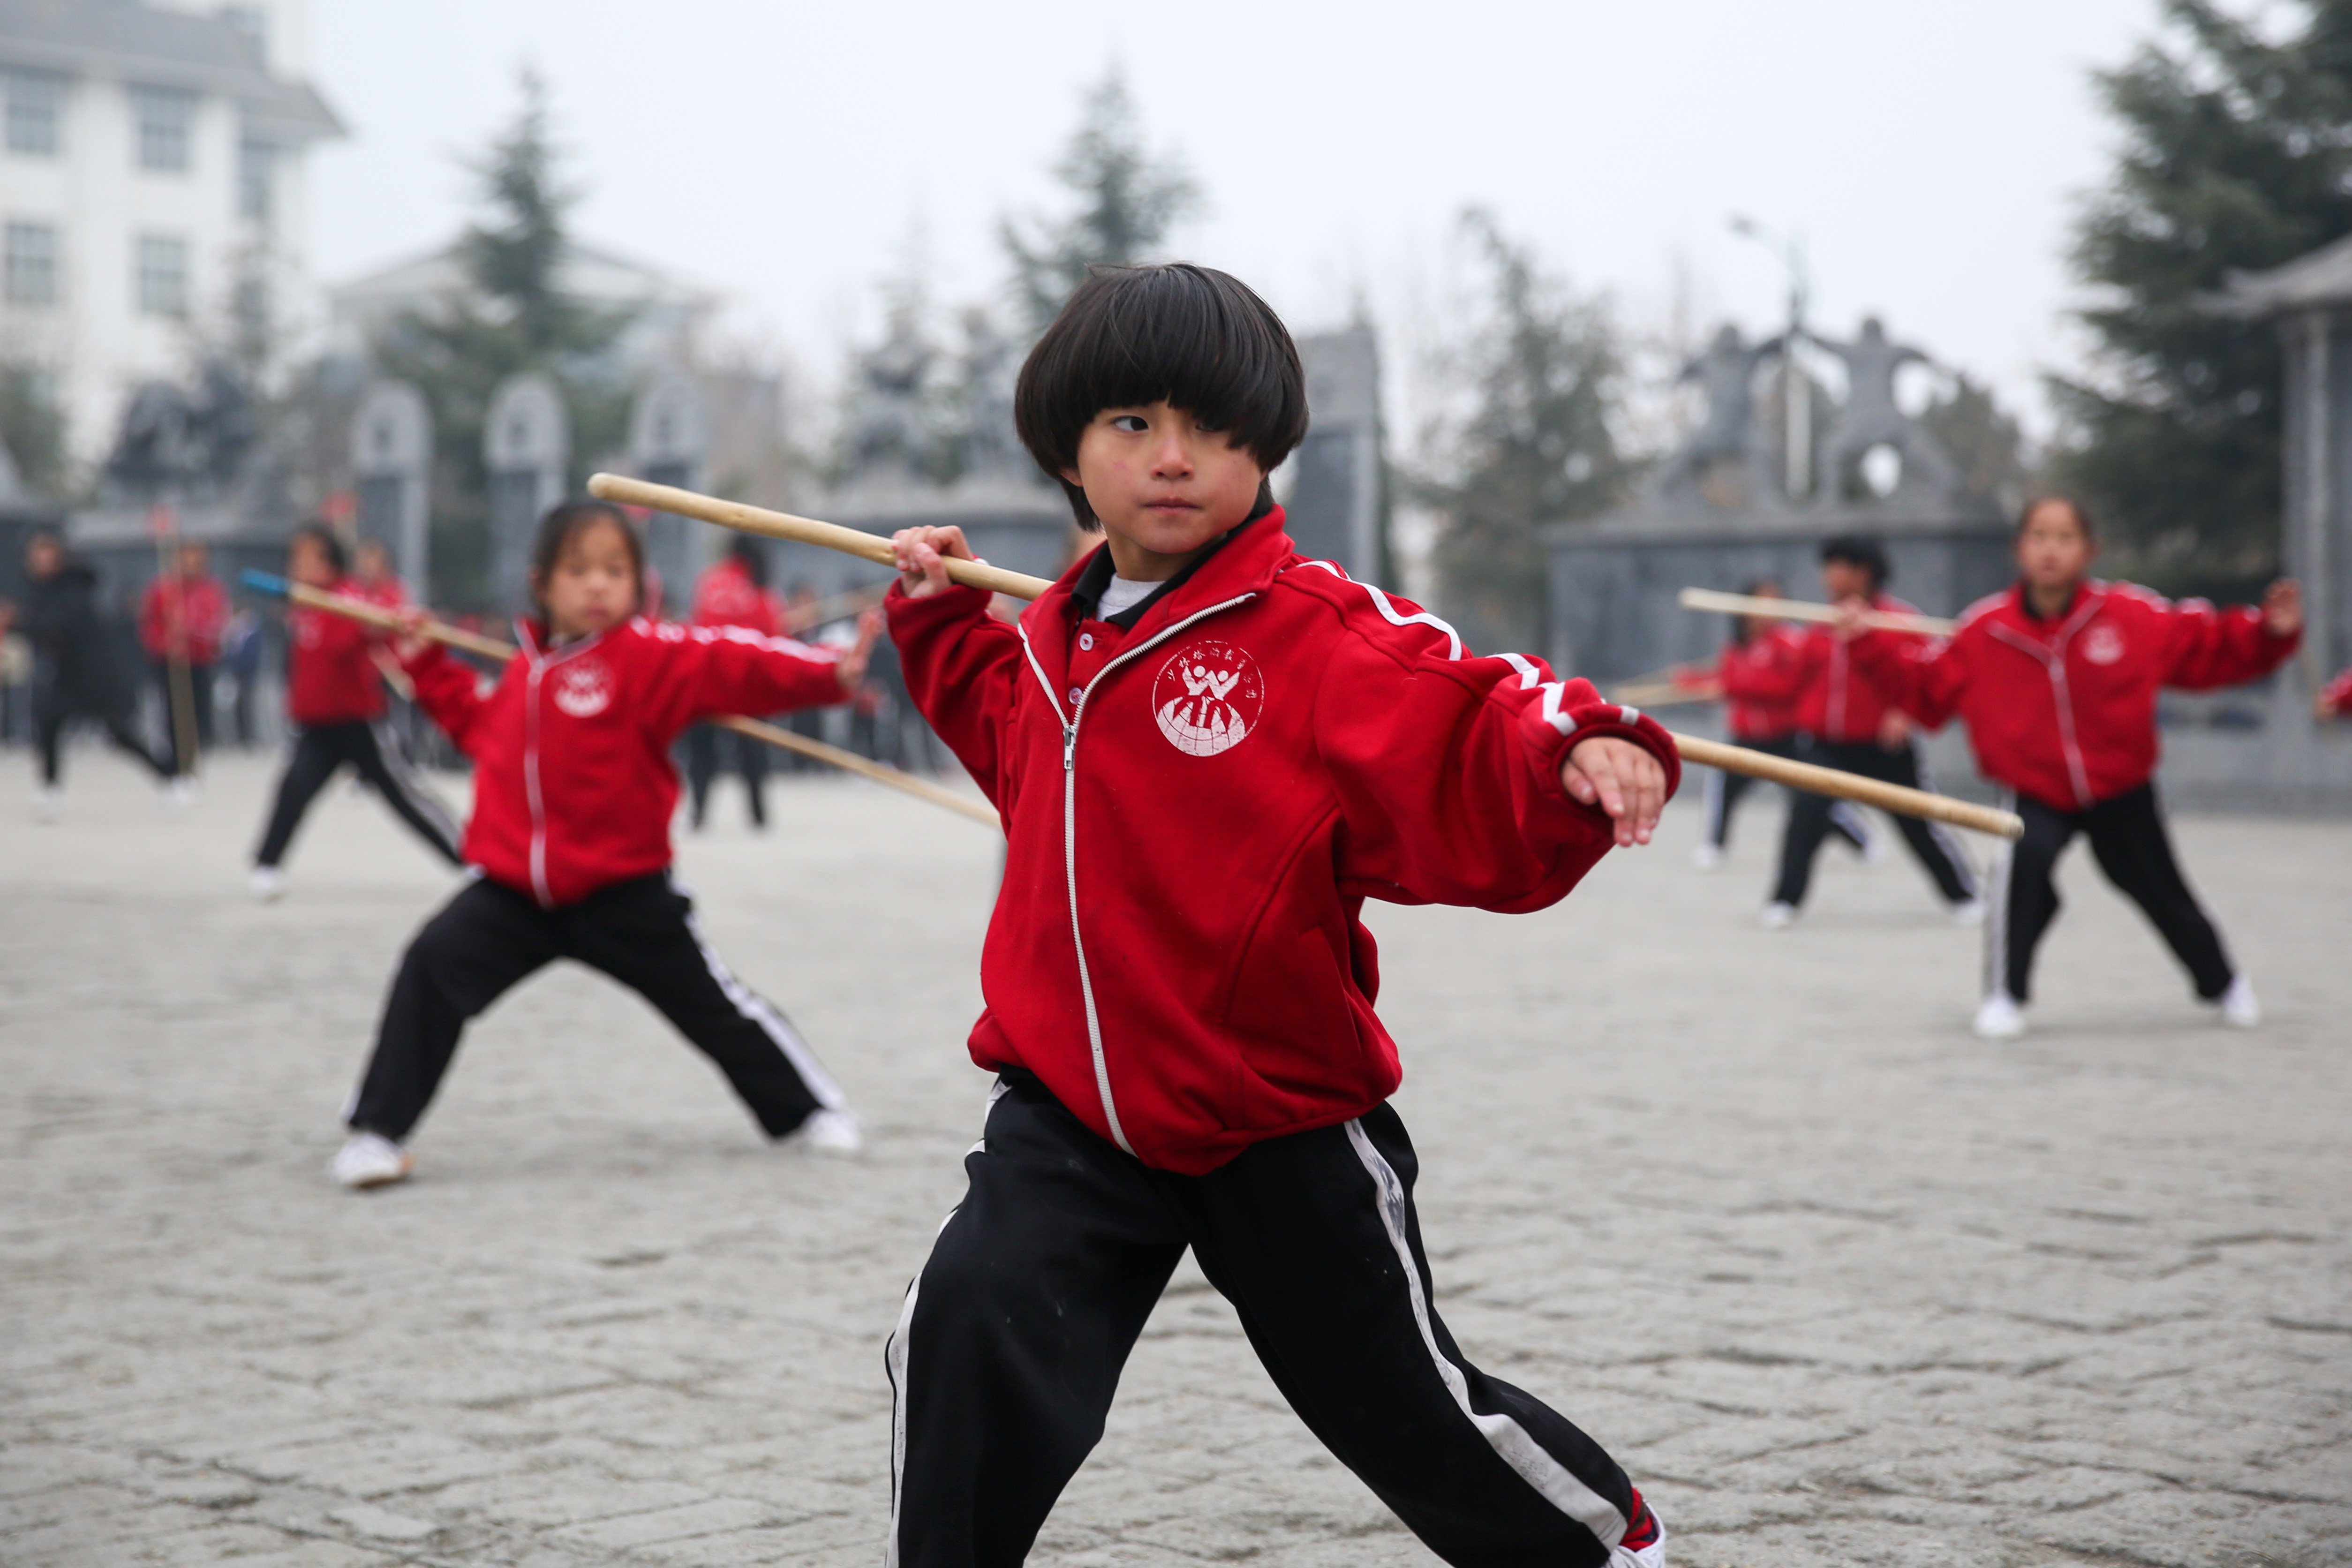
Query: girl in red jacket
x=1208, y=753
x=334, y=694
x=573, y=793
x=1760, y=674
x=2057, y=678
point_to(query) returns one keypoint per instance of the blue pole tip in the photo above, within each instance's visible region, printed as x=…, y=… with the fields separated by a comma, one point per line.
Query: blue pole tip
x=265, y=582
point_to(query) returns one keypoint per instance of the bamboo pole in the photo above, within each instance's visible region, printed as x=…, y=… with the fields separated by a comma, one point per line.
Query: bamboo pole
x=494, y=650
x=1801, y=610
x=1832, y=781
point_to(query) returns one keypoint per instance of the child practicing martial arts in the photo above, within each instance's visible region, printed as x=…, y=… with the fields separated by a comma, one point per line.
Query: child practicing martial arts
x=1761, y=677
x=1209, y=753
x=334, y=695
x=2057, y=677
x=573, y=791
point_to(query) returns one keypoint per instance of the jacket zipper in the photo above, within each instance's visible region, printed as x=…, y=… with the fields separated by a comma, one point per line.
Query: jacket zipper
x=541, y=659
x=1070, y=722
x=2053, y=663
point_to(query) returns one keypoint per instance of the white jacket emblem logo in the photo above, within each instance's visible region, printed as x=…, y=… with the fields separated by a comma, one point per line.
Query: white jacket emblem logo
x=585, y=690
x=1208, y=697
x=2104, y=646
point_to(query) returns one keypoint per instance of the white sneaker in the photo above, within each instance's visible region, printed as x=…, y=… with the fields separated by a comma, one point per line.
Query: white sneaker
x=179, y=791
x=1707, y=857
x=1874, y=848
x=47, y=802
x=1778, y=916
x=2000, y=1017
x=1968, y=912
x=372, y=1160
x=827, y=1132
x=2239, y=1008
x=269, y=884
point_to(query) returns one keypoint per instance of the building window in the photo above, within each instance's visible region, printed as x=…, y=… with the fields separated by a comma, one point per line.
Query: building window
x=31, y=264
x=163, y=275
x=165, y=117
x=35, y=105
x=257, y=179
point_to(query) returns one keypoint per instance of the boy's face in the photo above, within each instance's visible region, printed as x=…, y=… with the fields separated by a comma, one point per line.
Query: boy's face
x=1844, y=580
x=307, y=564
x=2053, y=551
x=1164, y=484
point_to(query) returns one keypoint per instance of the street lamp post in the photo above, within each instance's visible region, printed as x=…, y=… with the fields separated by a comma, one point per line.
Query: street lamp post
x=1796, y=393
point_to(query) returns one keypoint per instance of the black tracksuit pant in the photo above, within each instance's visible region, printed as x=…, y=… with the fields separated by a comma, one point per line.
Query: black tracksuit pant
x=643, y=933
x=1808, y=820
x=704, y=744
x=1011, y=1339
x=50, y=730
x=1723, y=790
x=2128, y=840
x=320, y=750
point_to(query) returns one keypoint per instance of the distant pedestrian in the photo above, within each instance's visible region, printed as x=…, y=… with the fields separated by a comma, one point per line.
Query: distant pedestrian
x=1761, y=673
x=2057, y=677
x=573, y=793
x=1844, y=721
x=732, y=594
x=183, y=620
x=78, y=673
x=241, y=647
x=334, y=694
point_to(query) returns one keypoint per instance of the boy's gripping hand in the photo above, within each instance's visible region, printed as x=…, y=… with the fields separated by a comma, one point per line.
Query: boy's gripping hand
x=1623, y=779
x=409, y=642
x=923, y=554
x=852, y=668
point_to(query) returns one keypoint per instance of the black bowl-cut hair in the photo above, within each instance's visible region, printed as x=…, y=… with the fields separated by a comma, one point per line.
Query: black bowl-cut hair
x=330, y=543
x=1191, y=336
x=1855, y=550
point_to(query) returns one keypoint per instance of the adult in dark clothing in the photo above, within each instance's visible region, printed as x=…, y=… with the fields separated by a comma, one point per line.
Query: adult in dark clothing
x=77, y=671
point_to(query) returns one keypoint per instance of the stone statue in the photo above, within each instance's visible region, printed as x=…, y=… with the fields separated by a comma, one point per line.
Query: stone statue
x=1726, y=375
x=888, y=436
x=184, y=444
x=1871, y=418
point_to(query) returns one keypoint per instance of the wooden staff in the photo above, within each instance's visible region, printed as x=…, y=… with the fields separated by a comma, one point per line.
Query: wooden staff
x=1799, y=610
x=1832, y=781
x=500, y=652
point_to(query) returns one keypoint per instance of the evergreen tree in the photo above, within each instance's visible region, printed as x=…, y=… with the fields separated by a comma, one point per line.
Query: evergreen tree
x=1126, y=202
x=1986, y=444
x=512, y=317
x=1536, y=448
x=2237, y=156
x=33, y=429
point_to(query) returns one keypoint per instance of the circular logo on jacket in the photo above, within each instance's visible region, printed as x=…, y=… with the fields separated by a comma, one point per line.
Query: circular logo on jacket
x=1207, y=698
x=583, y=688
x=2103, y=644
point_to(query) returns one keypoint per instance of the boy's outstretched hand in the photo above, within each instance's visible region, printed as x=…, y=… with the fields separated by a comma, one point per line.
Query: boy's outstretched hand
x=2283, y=608
x=409, y=641
x=923, y=554
x=1623, y=779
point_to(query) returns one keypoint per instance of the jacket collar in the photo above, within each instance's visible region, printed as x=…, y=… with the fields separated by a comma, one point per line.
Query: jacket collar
x=532, y=636
x=1252, y=555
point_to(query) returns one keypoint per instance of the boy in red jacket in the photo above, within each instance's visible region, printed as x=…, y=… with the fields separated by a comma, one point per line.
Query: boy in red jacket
x=334, y=694
x=573, y=791
x=1847, y=723
x=1760, y=674
x=1208, y=753
x=2057, y=678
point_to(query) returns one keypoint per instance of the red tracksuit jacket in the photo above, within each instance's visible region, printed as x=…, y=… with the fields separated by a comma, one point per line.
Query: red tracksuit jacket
x=331, y=675
x=2339, y=693
x=726, y=596
x=1837, y=701
x=1761, y=680
x=1197, y=809
x=2063, y=711
x=573, y=787
x=200, y=609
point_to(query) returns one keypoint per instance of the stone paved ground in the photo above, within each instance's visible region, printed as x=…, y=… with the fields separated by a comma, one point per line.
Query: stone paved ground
x=1838, y=1284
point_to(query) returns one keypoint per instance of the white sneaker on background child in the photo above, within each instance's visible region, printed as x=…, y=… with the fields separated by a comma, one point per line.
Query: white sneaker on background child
x=2000, y=1017
x=1777, y=916
x=372, y=1160
x=47, y=802
x=179, y=792
x=1968, y=912
x=2239, y=1008
x=827, y=1132
x=269, y=884
x=1707, y=857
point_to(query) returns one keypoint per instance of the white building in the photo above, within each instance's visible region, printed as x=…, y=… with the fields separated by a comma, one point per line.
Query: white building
x=152, y=190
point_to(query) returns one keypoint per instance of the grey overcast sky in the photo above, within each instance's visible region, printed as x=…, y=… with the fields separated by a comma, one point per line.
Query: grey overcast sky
x=790, y=155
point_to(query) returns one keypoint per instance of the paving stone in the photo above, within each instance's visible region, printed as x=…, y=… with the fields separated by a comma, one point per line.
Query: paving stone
x=1841, y=1285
